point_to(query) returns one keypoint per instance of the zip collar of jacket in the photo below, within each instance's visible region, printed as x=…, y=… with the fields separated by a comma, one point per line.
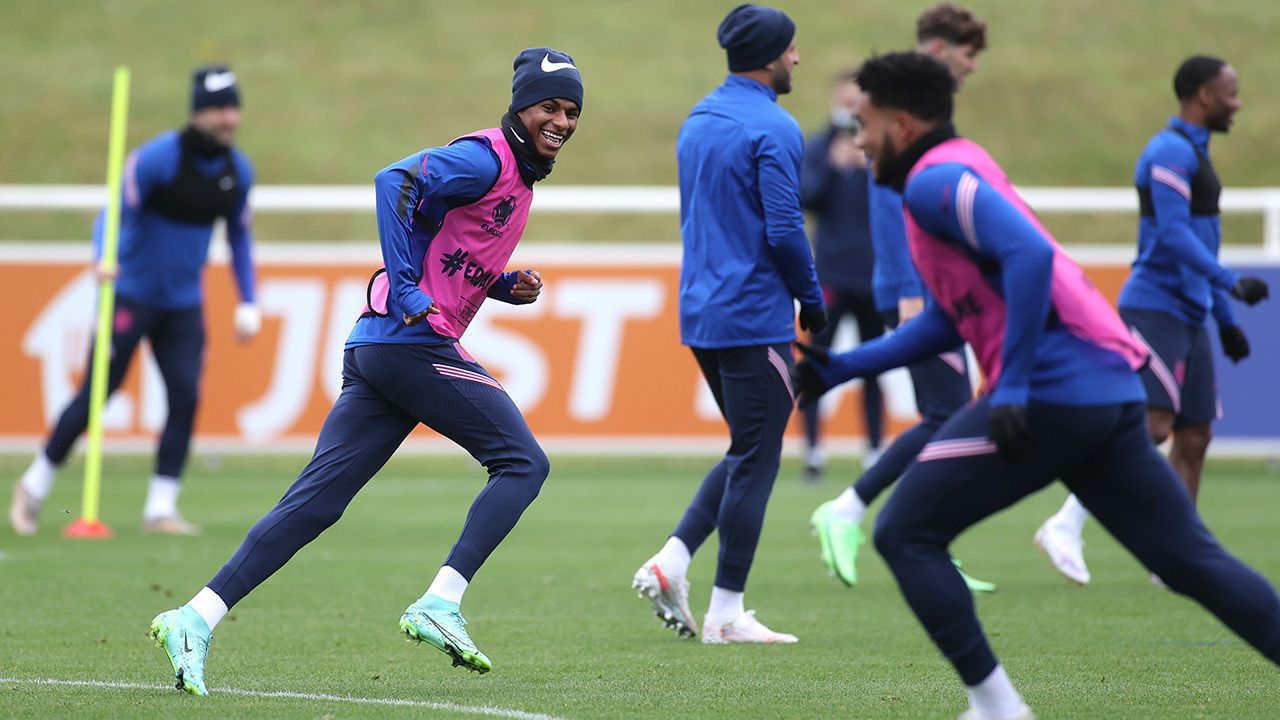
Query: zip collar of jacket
x=747, y=83
x=907, y=160
x=1198, y=134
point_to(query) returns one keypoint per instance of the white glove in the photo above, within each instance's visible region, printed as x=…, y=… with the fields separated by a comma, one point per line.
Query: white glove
x=248, y=321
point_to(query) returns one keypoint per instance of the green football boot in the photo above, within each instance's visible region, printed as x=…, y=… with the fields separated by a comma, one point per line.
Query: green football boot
x=184, y=636
x=975, y=585
x=439, y=623
x=840, y=541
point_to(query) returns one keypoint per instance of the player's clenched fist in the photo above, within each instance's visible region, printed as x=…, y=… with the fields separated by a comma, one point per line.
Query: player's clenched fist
x=528, y=286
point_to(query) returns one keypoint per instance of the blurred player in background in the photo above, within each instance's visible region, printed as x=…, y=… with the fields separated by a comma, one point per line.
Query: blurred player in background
x=955, y=36
x=174, y=188
x=746, y=262
x=833, y=186
x=1176, y=284
x=449, y=218
x=1063, y=398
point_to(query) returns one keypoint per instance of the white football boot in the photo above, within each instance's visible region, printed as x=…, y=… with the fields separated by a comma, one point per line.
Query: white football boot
x=24, y=511
x=1065, y=550
x=743, y=629
x=669, y=595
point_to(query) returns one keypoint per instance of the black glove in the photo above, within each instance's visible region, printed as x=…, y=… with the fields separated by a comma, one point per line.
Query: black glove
x=807, y=377
x=1251, y=290
x=1010, y=431
x=1234, y=343
x=813, y=318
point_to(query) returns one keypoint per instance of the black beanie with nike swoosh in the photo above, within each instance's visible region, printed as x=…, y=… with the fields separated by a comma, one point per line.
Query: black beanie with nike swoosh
x=542, y=73
x=214, y=86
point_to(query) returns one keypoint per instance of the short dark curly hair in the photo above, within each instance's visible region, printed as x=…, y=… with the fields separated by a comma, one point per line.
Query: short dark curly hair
x=910, y=81
x=953, y=23
x=1194, y=72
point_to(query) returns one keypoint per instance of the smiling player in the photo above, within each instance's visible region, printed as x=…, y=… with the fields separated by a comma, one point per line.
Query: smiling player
x=449, y=218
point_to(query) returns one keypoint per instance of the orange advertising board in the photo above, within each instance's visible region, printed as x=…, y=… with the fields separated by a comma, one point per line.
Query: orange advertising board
x=595, y=363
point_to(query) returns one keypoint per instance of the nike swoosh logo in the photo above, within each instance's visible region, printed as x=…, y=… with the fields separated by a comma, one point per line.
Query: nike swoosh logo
x=186, y=646
x=548, y=66
x=215, y=82
x=517, y=137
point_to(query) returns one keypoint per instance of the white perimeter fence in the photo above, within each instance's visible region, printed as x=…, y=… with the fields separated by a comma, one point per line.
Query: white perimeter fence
x=632, y=199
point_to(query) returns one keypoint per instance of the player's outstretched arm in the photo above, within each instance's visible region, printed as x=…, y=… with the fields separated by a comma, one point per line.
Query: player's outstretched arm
x=248, y=316
x=930, y=333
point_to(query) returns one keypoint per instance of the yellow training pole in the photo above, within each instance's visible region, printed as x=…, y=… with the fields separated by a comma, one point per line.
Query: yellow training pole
x=89, y=525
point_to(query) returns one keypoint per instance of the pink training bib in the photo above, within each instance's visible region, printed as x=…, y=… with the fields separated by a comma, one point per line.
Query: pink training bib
x=471, y=249
x=956, y=281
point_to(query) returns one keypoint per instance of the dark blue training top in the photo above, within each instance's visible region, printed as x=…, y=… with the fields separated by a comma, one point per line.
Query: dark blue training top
x=161, y=259
x=838, y=200
x=745, y=252
x=1177, y=269
x=894, y=276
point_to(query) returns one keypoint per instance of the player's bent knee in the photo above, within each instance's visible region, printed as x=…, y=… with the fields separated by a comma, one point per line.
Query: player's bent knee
x=541, y=463
x=889, y=536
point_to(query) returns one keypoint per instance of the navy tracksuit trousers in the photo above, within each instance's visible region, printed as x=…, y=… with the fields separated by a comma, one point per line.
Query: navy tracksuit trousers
x=177, y=342
x=1105, y=456
x=386, y=391
x=752, y=386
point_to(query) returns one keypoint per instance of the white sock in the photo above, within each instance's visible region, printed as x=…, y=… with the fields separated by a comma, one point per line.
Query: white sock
x=1072, y=515
x=674, y=557
x=38, y=479
x=209, y=606
x=449, y=585
x=995, y=697
x=162, y=497
x=726, y=605
x=816, y=458
x=849, y=507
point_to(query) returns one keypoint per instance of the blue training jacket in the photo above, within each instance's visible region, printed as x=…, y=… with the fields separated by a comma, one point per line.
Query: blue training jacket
x=162, y=260
x=1042, y=360
x=838, y=201
x=411, y=199
x=894, y=276
x=1177, y=269
x=746, y=255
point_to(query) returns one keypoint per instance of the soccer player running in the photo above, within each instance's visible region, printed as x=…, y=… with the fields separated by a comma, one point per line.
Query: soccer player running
x=174, y=187
x=449, y=218
x=1176, y=283
x=955, y=36
x=746, y=260
x=1063, y=398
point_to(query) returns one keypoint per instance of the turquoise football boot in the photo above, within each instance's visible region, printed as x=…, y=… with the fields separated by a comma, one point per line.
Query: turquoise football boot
x=439, y=623
x=840, y=541
x=184, y=636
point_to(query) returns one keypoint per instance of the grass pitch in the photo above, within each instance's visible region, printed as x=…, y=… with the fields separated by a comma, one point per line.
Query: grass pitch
x=567, y=636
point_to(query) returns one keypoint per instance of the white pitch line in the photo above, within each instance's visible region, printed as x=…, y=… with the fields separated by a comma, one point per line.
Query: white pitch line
x=447, y=707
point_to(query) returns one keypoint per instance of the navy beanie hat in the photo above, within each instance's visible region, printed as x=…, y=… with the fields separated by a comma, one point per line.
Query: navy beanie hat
x=542, y=73
x=214, y=86
x=754, y=36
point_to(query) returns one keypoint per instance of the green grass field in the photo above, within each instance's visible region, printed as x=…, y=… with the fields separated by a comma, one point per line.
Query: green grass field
x=567, y=636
